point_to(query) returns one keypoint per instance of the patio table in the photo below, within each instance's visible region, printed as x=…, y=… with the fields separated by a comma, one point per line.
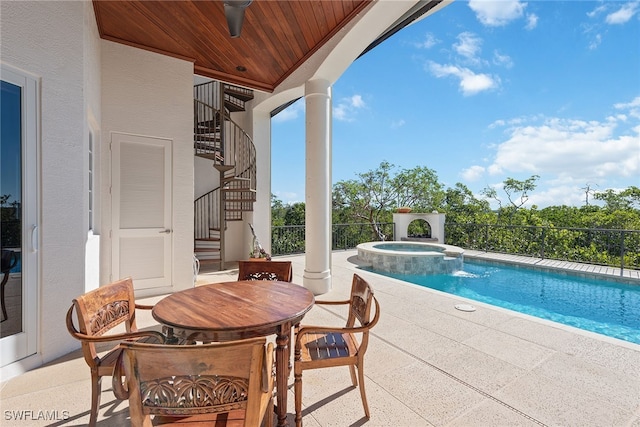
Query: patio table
x=238, y=310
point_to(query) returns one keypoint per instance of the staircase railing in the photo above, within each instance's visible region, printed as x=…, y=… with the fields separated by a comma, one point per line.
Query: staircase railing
x=218, y=138
x=206, y=214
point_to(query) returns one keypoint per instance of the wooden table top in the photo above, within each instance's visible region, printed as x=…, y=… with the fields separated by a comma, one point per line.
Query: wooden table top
x=235, y=310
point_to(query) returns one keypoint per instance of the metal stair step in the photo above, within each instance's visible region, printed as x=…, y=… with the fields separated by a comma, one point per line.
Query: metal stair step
x=211, y=156
x=239, y=190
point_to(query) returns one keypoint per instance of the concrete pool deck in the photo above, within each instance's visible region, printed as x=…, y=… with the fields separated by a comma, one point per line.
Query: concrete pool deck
x=428, y=364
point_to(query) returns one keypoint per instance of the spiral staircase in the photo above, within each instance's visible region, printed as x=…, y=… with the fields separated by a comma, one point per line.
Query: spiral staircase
x=222, y=141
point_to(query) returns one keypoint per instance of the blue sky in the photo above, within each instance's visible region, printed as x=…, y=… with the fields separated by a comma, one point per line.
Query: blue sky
x=482, y=91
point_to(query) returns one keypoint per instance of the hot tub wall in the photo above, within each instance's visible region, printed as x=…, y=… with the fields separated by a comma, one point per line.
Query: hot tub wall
x=407, y=264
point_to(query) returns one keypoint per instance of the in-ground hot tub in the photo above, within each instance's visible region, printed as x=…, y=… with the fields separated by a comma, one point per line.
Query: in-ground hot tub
x=411, y=257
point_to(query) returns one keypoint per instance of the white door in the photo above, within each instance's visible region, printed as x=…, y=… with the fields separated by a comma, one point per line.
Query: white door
x=141, y=200
x=19, y=213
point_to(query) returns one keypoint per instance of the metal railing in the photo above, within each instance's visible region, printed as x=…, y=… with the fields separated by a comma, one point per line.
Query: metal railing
x=290, y=239
x=610, y=247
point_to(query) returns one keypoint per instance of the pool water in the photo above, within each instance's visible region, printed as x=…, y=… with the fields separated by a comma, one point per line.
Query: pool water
x=605, y=307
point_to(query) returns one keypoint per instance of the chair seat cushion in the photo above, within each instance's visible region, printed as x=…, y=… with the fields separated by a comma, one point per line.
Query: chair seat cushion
x=327, y=346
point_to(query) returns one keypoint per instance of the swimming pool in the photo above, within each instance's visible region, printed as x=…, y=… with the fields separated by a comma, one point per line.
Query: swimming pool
x=605, y=307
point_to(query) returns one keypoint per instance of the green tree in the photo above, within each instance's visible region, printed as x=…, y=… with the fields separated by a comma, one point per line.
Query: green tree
x=517, y=194
x=462, y=207
x=419, y=189
x=620, y=200
x=372, y=197
x=278, y=211
x=295, y=214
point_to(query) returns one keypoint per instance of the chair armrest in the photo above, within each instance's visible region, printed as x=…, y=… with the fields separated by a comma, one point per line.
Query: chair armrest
x=106, y=338
x=309, y=329
x=333, y=302
x=119, y=337
x=267, y=369
x=118, y=379
x=353, y=330
x=144, y=306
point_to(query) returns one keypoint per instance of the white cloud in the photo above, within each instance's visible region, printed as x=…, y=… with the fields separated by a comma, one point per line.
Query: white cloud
x=470, y=83
x=347, y=108
x=569, y=149
x=357, y=101
x=497, y=13
x=532, y=21
x=632, y=108
x=503, y=60
x=597, y=11
x=291, y=112
x=570, y=195
x=597, y=40
x=624, y=14
x=605, y=15
x=473, y=173
x=429, y=41
x=395, y=124
x=468, y=46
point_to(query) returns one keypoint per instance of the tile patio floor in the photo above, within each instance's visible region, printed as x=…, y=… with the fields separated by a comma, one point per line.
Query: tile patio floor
x=428, y=364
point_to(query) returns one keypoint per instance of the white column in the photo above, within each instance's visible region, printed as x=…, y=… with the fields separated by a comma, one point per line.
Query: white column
x=317, y=272
x=261, y=218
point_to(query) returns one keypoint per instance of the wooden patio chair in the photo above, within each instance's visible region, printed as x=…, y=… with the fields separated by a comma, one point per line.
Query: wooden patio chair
x=97, y=313
x=265, y=270
x=325, y=346
x=220, y=384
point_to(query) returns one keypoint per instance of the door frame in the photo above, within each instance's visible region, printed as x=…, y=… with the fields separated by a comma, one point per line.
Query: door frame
x=24, y=344
x=141, y=284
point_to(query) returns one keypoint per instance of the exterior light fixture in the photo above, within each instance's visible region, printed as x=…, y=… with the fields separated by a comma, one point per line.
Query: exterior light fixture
x=234, y=12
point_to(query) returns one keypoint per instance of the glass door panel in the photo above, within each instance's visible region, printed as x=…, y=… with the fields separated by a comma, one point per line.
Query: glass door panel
x=10, y=208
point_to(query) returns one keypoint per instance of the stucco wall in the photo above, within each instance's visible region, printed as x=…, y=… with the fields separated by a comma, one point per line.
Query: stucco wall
x=48, y=39
x=92, y=107
x=145, y=93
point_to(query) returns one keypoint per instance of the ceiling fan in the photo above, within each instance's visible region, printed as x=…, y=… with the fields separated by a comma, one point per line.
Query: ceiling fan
x=234, y=12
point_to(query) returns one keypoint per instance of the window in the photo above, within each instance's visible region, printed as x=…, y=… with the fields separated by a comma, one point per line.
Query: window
x=91, y=180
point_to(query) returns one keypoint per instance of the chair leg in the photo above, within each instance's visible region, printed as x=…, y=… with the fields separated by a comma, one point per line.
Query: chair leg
x=298, y=396
x=96, y=390
x=363, y=395
x=354, y=380
x=268, y=416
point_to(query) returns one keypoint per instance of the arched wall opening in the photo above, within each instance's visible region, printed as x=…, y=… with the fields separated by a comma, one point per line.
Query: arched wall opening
x=434, y=220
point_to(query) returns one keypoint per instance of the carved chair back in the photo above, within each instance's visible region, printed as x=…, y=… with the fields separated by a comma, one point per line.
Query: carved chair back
x=102, y=309
x=265, y=270
x=209, y=382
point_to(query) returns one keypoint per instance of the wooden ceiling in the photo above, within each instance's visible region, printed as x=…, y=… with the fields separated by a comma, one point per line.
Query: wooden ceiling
x=277, y=36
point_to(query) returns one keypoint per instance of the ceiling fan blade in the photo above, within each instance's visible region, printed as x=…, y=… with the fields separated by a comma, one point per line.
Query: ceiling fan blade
x=234, y=12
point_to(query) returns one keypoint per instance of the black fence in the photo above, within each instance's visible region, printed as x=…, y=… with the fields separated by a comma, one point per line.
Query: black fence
x=610, y=247
x=290, y=239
